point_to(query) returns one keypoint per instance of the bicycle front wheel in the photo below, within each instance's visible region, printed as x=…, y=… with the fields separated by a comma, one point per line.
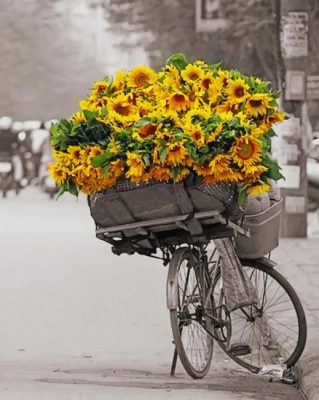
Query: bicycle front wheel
x=275, y=329
x=193, y=344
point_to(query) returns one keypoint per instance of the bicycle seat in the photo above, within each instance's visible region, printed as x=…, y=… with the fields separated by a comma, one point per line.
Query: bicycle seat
x=239, y=349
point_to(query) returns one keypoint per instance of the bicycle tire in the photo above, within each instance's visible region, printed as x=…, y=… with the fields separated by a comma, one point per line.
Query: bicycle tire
x=292, y=358
x=198, y=367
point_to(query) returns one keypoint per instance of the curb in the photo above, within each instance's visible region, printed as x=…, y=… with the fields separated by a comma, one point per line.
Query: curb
x=307, y=371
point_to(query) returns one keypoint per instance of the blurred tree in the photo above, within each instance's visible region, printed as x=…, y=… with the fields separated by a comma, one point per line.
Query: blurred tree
x=250, y=43
x=167, y=26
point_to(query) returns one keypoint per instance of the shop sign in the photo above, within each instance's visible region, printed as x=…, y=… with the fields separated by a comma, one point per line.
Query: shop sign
x=313, y=87
x=294, y=34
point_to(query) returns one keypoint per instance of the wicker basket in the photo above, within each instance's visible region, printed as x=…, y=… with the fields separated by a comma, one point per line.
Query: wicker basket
x=264, y=233
x=127, y=202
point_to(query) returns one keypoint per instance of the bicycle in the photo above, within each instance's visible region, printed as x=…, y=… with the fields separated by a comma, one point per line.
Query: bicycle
x=198, y=310
x=197, y=298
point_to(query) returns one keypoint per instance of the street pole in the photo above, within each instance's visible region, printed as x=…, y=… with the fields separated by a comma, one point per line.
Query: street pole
x=291, y=145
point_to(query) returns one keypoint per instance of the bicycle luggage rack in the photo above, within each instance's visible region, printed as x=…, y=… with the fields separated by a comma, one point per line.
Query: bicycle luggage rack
x=175, y=220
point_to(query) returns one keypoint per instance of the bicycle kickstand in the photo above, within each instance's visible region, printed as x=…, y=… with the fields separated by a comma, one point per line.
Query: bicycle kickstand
x=174, y=362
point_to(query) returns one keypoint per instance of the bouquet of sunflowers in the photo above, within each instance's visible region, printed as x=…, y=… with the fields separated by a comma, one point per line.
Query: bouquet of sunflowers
x=187, y=120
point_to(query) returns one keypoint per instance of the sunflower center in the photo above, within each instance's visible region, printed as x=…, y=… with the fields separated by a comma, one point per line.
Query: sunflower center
x=193, y=76
x=141, y=80
x=122, y=110
x=206, y=83
x=196, y=135
x=147, y=130
x=179, y=98
x=76, y=154
x=246, y=151
x=239, y=91
x=255, y=103
x=101, y=88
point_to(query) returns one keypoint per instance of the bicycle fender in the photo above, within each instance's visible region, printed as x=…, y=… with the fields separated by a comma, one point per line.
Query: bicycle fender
x=172, y=284
x=171, y=293
x=266, y=262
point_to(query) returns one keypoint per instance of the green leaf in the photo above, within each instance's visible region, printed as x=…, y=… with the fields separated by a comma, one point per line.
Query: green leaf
x=142, y=122
x=147, y=159
x=105, y=170
x=273, y=169
x=179, y=60
x=107, y=79
x=61, y=191
x=176, y=171
x=213, y=67
x=204, y=150
x=102, y=159
x=242, y=195
x=73, y=189
x=89, y=115
x=163, y=151
x=271, y=133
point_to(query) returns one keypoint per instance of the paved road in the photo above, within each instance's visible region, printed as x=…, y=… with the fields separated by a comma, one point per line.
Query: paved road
x=77, y=322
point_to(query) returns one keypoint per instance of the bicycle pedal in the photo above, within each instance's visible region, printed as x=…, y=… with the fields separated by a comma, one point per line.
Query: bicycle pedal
x=239, y=349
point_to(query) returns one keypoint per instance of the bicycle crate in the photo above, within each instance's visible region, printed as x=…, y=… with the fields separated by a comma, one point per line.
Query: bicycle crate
x=264, y=233
x=153, y=212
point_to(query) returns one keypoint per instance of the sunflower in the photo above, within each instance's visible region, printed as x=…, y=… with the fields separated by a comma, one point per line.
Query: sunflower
x=223, y=77
x=88, y=105
x=178, y=101
x=220, y=164
x=253, y=172
x=192, y=73
x=181, y=175
x=257, y=104
x=259, y=189
x=172, y=76
x=144, y=132
x=77, y=118
x=62, y=158
x=197, y=135
x=243, y=119
x=144, y=107
x=246, y=151
x=119, y=81
x=275, y=117
x=196, y=115
x=113, y=146
x=237, y=90
x=207, y=80
x=136, y=166
x=214, y=92
x=99, y=88
x=202, y=170
x=195, y=96
x=75, y=154
x=59, y=173
x=161, y=174
x=177, y=154
x=122, y=110
x=85, y=153
x=141, y=76
x=95, y=151
x=212, y=136
x=259, y=130
x=229, y=176
x=116, y=169
x=227, y=109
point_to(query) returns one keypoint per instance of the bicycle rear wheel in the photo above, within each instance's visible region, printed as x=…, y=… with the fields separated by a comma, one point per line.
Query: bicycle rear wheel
x=276, y=328
x=193, y=344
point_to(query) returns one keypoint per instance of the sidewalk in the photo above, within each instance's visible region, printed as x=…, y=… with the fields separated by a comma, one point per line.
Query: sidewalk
x=298, y=261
